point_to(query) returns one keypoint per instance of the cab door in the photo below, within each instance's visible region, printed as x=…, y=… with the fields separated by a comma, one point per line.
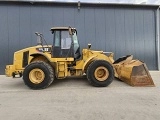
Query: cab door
x=62, y=44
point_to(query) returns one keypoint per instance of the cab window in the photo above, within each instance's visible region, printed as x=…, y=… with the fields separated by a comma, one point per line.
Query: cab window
x=65, y=40
x=57, y=39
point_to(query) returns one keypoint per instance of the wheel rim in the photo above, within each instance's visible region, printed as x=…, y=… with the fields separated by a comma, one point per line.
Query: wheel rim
x=36, y=76
x=101, y=73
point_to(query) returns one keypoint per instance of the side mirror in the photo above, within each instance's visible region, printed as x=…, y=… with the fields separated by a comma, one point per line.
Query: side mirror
x=89, y=46
x=39, y=38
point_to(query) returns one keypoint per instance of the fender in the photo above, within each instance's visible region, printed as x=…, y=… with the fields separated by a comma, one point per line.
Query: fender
x=40, y=54
x=88, y=61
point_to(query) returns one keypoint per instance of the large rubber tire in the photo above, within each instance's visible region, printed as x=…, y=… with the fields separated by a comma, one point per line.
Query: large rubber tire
x=38, y=75
x=100, y=73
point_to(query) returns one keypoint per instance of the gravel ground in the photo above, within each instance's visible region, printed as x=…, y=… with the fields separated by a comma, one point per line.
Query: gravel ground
x=75, y=99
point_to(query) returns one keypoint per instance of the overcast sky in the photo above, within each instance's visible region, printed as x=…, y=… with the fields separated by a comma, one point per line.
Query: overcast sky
x=116, y=1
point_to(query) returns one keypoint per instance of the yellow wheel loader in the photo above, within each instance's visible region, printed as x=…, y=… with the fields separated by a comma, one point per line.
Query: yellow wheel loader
x=40, y=65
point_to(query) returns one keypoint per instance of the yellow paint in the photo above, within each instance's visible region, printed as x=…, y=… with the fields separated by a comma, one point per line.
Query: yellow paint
x=36, y=76
x=9, y=69
x=101, y=73
x=65, y=67
x=60, y=64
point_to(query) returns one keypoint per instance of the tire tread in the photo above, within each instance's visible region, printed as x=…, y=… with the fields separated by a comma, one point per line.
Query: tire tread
x=92, y=80
x=43, y=64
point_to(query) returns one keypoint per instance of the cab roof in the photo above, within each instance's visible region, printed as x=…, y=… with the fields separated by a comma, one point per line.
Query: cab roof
x=60, y=28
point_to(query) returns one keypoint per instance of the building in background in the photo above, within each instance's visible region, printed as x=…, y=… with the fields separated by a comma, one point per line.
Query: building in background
x=120, y=28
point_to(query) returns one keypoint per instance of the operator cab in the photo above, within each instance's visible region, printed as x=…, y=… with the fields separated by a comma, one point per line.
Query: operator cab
x=65, y=43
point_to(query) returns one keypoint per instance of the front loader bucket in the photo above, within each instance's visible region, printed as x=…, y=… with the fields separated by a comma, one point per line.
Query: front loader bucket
x=133, y=72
